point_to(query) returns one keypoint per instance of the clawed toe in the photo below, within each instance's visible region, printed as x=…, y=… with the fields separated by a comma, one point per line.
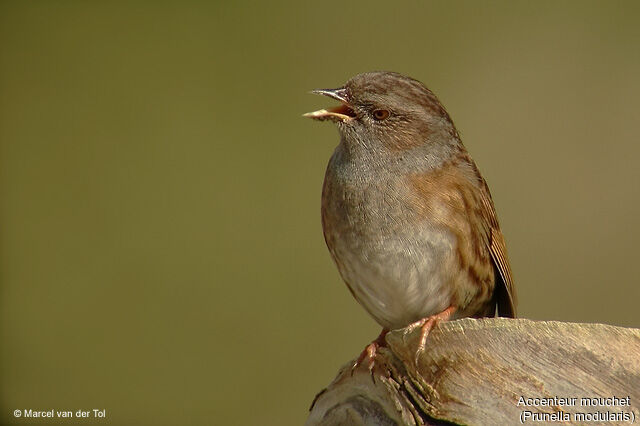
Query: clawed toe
x=369, y=353
x=426, y=325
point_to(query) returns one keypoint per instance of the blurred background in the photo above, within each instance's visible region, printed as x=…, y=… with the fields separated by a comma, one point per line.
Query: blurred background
x=161, y=253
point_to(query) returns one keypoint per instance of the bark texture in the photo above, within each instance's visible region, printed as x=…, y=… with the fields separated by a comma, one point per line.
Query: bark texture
x=490, y=372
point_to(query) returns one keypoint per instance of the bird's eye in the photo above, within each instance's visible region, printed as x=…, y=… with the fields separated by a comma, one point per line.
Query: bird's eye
x=380, y=114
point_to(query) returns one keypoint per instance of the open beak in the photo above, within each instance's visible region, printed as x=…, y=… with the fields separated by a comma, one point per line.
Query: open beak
x=344, y=112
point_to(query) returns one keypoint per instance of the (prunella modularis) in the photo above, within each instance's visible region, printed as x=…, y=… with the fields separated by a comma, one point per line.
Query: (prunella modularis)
x=407, y=217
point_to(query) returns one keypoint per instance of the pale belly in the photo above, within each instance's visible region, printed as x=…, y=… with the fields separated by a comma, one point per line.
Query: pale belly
x=399, y=264
x=398, y=278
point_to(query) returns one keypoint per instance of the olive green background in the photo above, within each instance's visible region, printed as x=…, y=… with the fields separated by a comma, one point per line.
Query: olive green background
x=161, y=250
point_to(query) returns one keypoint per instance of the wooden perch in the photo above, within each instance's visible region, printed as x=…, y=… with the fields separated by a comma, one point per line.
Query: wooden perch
x=493, y=371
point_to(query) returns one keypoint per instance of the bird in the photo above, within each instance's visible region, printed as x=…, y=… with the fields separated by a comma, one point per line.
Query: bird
x=406, y=215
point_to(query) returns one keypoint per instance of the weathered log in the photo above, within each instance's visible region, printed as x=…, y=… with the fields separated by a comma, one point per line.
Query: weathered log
x=492, y=371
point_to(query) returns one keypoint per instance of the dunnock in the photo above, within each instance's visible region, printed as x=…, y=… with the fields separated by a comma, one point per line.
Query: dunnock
x=407, y=217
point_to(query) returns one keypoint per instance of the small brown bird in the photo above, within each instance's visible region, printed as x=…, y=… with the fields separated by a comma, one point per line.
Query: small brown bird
x=407, y=217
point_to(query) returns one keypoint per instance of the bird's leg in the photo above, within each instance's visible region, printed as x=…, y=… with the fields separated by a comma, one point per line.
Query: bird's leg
x=426, y=325
x=370, y=351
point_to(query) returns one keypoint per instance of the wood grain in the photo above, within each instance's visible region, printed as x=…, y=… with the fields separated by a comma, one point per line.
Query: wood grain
x=476, y=372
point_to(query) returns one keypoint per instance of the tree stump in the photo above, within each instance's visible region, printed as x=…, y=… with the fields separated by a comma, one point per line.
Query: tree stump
x=492, y=371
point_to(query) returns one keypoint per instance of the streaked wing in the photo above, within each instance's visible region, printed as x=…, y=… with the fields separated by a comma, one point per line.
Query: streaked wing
x=505, y=289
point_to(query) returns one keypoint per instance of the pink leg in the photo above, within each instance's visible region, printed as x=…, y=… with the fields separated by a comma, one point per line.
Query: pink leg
x=370, y=351
x=427, y=324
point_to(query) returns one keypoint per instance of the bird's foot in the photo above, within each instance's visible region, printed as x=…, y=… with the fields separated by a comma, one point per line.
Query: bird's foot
x=369, y=352
x=426, y=325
